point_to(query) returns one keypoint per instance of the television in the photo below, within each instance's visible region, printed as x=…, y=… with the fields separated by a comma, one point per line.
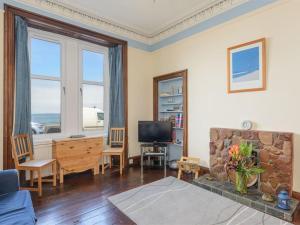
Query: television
x=155, y=131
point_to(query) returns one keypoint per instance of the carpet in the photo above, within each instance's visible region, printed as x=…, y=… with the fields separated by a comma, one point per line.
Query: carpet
x=170, y=201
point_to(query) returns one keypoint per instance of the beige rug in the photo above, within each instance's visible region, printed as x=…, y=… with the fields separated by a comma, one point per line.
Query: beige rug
x=175, y=202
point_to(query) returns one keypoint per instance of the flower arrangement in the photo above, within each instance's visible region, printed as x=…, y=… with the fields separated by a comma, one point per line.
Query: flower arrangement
x=242, y=162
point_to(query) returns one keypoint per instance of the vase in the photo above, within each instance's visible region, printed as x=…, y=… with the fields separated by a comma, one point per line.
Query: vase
x=231, y=173
x=241, y=183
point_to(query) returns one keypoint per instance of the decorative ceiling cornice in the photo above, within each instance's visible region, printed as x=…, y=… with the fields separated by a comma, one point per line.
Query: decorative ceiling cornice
x=196, y=18
x=56, y=7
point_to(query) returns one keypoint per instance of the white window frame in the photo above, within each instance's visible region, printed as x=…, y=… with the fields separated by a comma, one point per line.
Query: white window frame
x=51, y=37
x=102, y=50
x=76, y=84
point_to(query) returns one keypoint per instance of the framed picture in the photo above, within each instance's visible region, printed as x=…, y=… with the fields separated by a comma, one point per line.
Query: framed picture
x=246, y=69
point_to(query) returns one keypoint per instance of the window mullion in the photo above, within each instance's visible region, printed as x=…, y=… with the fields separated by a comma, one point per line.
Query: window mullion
x=63, y=87
x=92, y=83
x=71, y=84
x=43, y=77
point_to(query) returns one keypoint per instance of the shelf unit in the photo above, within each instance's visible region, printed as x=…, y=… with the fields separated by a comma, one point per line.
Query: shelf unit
x=170, y=103
x=170, y=96
x=178, y=128
x=171, y=112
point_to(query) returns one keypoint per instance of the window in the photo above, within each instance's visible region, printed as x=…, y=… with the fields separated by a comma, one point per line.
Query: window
x=45, y=86
x=68, y=85
x=92, y=90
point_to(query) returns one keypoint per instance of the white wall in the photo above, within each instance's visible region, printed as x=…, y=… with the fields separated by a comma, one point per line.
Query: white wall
x=140, y=73
x=204, y=55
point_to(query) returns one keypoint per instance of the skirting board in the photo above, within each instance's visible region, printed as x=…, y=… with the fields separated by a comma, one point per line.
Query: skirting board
x=136, y=162
x=296, y=195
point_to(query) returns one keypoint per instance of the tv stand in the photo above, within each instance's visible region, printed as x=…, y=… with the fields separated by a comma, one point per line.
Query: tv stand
x=155, y=144
x=163, y=148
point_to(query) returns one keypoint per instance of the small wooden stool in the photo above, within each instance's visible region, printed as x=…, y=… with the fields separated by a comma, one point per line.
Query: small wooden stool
x=188, y=164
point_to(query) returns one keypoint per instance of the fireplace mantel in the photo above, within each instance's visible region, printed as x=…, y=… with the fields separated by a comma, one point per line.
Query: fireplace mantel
x=275, y=155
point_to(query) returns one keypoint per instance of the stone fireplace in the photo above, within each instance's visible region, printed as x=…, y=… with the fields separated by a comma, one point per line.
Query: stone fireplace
x=274, y=152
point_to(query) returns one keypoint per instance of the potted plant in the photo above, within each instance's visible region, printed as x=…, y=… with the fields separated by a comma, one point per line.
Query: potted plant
x=241, y=164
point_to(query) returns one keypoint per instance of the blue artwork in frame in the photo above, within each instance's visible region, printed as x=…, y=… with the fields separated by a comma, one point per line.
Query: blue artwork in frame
x=246, y=67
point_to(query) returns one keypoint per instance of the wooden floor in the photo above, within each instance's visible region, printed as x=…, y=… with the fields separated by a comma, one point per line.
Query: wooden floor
x=82, y=199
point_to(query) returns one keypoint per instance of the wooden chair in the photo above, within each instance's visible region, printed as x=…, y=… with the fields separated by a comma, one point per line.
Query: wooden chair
x=116, y=147
x=22, y=148
x=188, y=164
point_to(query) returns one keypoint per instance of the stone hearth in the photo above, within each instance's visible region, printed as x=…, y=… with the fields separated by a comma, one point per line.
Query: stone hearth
x=251, y=199
x=274, y=150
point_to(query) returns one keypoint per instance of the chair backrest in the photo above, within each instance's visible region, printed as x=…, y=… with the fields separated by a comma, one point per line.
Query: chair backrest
x=117, y=137
x=190, y=160
x=21, y=147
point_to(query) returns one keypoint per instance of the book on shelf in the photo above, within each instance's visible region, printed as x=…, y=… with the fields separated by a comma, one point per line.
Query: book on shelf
x=179, y=120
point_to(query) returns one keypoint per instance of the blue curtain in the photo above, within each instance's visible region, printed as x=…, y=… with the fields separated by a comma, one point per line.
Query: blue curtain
x=22, y=117
x=116, y=93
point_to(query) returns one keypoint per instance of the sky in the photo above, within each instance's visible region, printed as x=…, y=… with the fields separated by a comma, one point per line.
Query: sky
x=245, y=61
x=46, y=60
x=92, y=66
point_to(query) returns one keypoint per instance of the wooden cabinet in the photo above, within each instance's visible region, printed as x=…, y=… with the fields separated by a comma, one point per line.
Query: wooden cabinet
x=77, y=154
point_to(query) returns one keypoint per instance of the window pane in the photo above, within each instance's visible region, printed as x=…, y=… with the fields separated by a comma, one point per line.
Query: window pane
x=45, y=106
x=45, y=58
x=92, y=66
x=92, y=115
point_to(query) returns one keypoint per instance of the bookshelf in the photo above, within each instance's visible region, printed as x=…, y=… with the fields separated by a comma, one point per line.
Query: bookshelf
x=170, y=104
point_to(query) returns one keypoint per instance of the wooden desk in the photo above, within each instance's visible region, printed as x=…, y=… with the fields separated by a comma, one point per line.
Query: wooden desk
x=75, y=155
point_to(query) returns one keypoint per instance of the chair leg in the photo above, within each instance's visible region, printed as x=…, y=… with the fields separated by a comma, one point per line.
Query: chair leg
x=196, y=175
x=102, y=164
x=54, y=171
x=110, y=161
x=121, y=164
x=31, y=177
x=61, y=176
x=123, y=157
x=96, y=169
x=39, y=183
x=179, y=174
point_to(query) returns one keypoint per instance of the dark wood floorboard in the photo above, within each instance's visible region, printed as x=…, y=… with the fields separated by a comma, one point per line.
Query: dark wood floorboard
x=82, y=199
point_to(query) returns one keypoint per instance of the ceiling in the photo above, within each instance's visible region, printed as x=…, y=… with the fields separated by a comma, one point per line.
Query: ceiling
x=145, y=17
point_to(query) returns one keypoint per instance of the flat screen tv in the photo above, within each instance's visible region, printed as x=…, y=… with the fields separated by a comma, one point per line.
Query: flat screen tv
x=155, y=131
